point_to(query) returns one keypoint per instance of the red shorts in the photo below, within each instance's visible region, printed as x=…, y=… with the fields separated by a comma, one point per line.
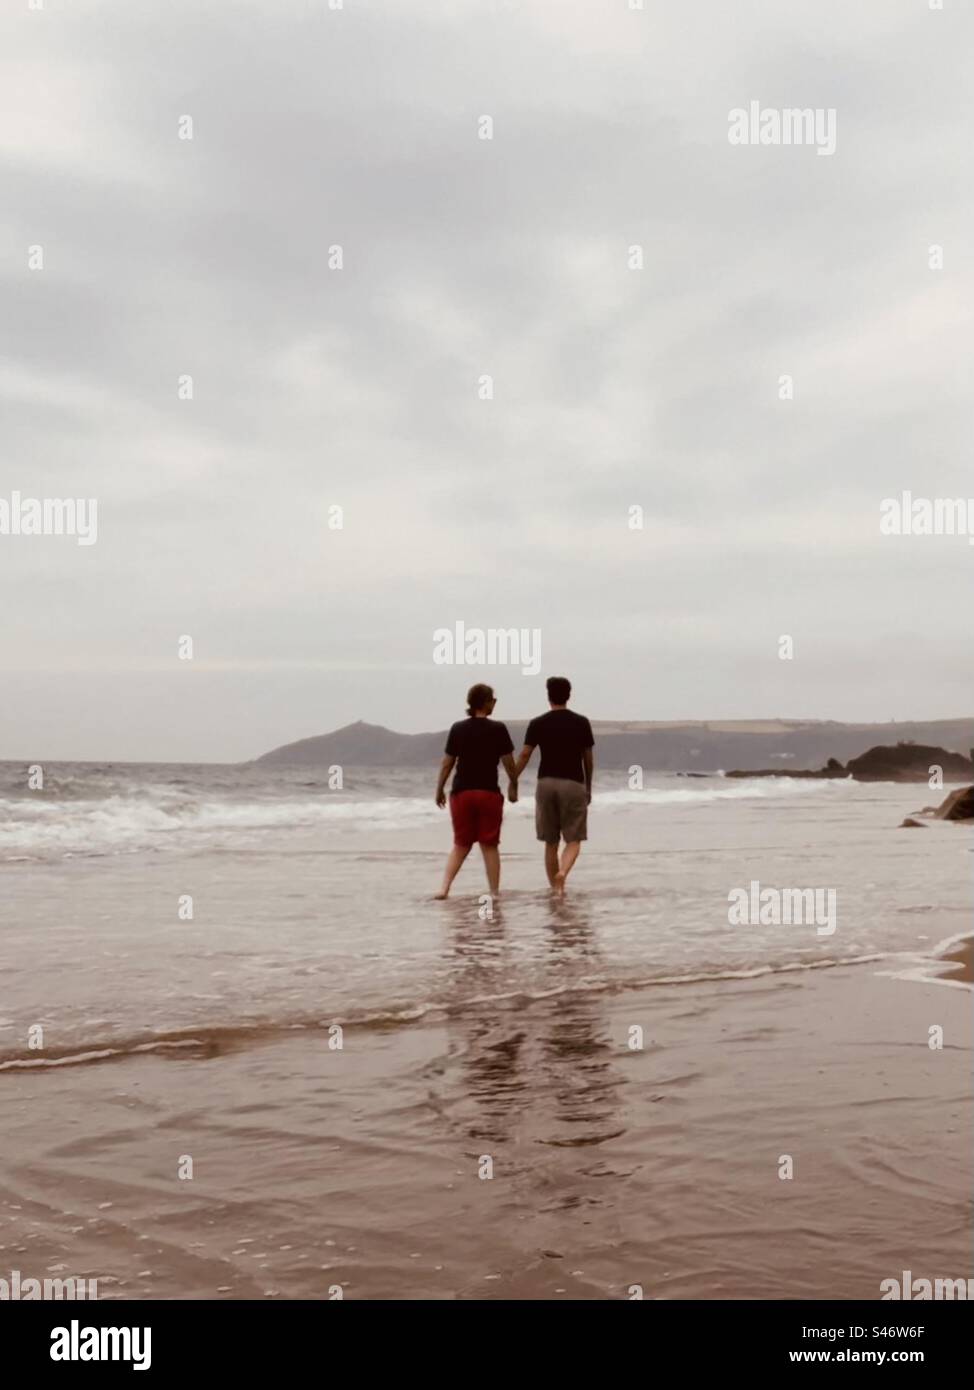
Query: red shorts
x=476, y=817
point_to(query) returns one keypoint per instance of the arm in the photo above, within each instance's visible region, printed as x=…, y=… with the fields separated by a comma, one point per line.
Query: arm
x=511, y=771
x=588, y=765
x=446, y=767
x=523, y=758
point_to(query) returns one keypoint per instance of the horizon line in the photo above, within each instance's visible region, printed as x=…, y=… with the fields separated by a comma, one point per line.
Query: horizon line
x=651, y=723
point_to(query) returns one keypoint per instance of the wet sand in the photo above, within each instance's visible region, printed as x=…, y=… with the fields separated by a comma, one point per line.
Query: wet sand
x=613, y=1168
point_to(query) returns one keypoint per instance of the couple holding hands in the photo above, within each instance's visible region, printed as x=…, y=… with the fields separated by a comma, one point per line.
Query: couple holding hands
x=477, y=744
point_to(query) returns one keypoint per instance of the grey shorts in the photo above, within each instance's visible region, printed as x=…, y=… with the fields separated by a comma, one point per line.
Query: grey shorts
x=560, y=810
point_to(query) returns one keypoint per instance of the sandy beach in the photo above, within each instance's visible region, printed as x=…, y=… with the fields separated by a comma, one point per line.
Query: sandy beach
x=588, y=1098
x=614, y=1170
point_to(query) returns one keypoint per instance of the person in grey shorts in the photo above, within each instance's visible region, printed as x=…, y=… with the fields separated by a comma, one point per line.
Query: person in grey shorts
x=564, y=779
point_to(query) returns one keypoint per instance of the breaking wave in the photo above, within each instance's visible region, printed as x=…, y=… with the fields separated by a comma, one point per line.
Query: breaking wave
x=116, y=824
x=63, y=823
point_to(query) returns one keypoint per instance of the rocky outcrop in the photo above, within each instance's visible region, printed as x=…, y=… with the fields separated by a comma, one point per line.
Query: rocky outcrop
x=899, y=762
x=958, y=806
x=908, y=762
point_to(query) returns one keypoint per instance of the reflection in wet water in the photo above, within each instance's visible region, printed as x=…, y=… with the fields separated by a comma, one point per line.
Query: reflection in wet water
x=543, y=1073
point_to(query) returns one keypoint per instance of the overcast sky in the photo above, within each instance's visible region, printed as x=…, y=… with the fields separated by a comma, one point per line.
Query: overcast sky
x=465, y=257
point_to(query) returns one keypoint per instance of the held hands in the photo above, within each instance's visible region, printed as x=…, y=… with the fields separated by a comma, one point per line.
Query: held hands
x=512, y=791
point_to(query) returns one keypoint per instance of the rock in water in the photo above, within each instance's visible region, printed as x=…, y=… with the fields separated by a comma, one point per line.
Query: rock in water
x=959, y=805
x=907, y=762
x=904, y=762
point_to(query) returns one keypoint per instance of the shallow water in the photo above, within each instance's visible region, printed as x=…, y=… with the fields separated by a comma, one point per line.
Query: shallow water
x=473, y=1031
x=311, y=906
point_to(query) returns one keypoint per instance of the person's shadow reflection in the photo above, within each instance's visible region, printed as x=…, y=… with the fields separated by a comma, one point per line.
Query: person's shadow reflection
x=483, y=1030
x=580, y=1082
x=530, y=1028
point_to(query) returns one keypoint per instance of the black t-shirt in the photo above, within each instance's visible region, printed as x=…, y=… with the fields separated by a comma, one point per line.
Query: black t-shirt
x=562, y=735
x=478, y=745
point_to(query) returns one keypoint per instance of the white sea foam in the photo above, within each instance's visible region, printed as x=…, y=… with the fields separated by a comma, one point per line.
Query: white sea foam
x=118, y=823
x=154, y=816
x=746, y=789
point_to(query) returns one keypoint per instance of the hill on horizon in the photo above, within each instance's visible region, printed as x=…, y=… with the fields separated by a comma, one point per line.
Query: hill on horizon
x=661, y=746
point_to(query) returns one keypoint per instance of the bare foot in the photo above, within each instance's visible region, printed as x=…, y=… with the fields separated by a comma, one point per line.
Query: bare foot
x=558, y=885
x=439, y=897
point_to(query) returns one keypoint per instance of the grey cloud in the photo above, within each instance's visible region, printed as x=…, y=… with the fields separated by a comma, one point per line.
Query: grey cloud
x=463, y=257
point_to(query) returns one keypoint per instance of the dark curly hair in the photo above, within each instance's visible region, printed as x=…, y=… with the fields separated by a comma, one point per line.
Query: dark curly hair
x=479, y=697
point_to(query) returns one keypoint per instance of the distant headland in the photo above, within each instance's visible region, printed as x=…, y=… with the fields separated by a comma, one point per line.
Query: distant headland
x=782, y=747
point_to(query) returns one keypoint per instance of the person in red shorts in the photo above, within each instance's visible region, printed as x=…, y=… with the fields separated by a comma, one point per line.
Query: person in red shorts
x=476, y=745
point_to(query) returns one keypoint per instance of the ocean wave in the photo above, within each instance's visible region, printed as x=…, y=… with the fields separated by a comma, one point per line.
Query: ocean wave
x=118, y=823
x=746, y=789
x=159, y=815
x=212, y=1040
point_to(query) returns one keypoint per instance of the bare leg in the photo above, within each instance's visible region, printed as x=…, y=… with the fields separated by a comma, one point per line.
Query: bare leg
x=492, y=864
x=551, y=862
x=457, y=855
x=568, y=856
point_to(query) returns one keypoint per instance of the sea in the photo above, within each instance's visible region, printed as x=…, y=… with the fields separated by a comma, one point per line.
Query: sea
x=151, y=904
x=244, y=1054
